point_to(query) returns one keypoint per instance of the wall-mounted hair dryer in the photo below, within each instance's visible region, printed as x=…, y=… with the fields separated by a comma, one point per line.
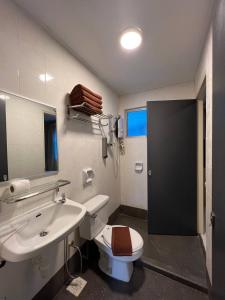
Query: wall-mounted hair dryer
x=119, y=127
x=116, y=130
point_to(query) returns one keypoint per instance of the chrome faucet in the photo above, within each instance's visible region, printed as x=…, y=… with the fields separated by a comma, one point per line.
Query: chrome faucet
x=63, y=199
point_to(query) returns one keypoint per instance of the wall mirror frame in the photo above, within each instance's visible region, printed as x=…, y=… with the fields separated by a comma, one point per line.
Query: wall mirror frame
x=28, y=138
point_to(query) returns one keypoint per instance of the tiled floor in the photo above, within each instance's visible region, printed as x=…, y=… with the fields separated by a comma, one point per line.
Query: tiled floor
x=181, y=255
x=144, y=284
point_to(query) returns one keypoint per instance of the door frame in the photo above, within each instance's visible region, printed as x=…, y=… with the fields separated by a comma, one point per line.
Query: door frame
x=201, y=161
x=218, y=155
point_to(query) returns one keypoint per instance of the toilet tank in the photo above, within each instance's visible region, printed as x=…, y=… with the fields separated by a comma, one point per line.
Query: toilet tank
x=96, y=217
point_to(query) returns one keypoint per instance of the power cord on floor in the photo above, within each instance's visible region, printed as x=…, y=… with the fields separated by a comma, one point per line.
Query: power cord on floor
x=67, y=255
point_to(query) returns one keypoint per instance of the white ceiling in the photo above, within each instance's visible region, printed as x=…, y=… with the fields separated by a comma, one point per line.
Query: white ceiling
x=174, y=32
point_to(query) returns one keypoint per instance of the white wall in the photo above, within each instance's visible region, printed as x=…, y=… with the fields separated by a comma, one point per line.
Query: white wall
x=27, y=51
x=205, y=71
x=134, y=185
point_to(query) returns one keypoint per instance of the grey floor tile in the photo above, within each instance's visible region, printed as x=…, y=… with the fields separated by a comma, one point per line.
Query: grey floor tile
x=181, y=255
x=144, y=284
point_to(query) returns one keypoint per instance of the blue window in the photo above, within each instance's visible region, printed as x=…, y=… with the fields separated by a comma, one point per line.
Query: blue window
x=137, y=122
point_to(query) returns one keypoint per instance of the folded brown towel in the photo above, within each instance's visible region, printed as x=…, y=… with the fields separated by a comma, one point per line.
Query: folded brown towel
x=80, y=93
x=121, y=241
x=82, y=90
x=89, y=110
x=89, y=91
x=77, y=99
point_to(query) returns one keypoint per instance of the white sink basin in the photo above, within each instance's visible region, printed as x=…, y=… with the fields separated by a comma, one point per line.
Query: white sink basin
x=25, y=236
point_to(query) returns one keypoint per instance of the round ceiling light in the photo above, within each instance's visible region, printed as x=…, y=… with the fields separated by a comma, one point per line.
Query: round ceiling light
x=131, y=38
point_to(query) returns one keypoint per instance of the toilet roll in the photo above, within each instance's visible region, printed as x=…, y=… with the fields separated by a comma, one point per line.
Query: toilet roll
x=18, y=186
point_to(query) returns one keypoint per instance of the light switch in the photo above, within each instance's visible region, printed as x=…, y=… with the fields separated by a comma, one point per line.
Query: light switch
x=139, y=166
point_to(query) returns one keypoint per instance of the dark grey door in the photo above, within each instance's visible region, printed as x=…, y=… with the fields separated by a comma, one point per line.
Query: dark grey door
x=172, y=178
x=218, y=154
x=3, y=143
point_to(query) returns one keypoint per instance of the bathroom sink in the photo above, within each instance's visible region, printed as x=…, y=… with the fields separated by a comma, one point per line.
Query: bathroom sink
x=26, y=236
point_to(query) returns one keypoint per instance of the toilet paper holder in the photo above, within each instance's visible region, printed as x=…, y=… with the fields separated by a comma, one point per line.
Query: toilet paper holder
x=88, y=175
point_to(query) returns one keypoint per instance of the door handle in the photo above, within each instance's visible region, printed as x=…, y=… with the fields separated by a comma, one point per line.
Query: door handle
x=212, y=219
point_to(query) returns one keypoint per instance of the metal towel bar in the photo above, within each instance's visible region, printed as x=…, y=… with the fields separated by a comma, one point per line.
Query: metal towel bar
x=94, y=119
x=38, y=190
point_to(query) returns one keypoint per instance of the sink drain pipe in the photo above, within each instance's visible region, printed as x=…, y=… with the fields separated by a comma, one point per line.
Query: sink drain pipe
x=67, y=256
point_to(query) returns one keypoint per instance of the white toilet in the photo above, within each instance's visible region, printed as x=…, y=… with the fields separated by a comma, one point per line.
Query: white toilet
x=94, y=228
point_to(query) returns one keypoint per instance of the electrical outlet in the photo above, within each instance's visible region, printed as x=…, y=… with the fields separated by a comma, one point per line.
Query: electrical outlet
x=76, y=286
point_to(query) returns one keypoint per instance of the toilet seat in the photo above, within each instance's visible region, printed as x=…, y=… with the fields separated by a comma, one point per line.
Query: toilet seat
x=118, y=267
x=136, y=239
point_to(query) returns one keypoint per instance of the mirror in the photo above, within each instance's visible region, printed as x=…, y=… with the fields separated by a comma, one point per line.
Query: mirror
x=28, y=138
